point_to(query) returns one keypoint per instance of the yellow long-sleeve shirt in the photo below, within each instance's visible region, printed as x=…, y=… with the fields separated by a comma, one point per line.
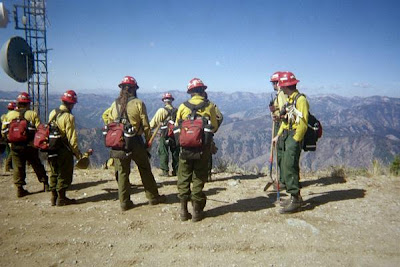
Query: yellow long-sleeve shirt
x=220, y=117
x=301, y=127
x=279, y=101
x=66, y=125
x=137, y=115
x=30, y=115
x=160, y=116
x=106, y=116
x=209, y=111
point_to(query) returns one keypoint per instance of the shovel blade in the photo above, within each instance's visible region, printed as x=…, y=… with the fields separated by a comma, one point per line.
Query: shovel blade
x=268, y=185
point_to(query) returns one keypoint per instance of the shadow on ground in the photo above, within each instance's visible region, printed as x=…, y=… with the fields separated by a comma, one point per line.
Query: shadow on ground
x=332, y=196
x=240, y=177
x=86, y=184
x=329, y=180
x=243, y=205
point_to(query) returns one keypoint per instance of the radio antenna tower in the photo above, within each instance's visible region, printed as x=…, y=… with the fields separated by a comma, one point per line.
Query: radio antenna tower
x=31, y=17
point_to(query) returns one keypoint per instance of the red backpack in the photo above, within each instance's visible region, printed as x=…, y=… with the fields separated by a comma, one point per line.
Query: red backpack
x=48, y=136
x=120, y=134
x=19, y=130
x=192, y=130
x=167, y=128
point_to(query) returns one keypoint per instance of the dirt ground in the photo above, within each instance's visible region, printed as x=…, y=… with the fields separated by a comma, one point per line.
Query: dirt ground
x=345, y=222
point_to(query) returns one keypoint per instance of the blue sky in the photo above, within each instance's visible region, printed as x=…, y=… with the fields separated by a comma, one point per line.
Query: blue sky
x=342, y=47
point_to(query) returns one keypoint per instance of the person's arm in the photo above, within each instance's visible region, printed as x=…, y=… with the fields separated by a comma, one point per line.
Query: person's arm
x=301, y=128
x=158, y=118
x=106, y=116
x=70, y=133
x=145, y=122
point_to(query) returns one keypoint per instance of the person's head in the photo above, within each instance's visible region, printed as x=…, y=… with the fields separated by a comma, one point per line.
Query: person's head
x=128, y=87
x=287, y=82
x=167, y=98
x=23, y=100
x=69, y=99
x=11, y=106
x=275, y=79
x=196, y=86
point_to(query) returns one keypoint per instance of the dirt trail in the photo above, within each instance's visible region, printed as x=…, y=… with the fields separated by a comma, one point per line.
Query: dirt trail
x=343, y=223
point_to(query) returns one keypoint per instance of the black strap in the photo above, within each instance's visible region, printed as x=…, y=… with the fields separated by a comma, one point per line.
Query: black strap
x=297, y=97
x=123, y=118
x=170, y=113
x=195, y=108
x=294, y=103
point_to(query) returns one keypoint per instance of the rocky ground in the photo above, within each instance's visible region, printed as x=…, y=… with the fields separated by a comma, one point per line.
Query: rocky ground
x=345, y=222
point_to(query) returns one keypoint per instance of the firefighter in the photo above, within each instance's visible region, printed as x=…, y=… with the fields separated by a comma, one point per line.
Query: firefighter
x=134, y=111
x=277, y=107
x=165, y=116
x=193, y=164
x=291, y=134
x=61, y=161
x=23, y=152
x=8, y=161
x=214, y=148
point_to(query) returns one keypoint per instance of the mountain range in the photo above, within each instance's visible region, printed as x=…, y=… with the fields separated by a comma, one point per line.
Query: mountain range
x=357, y=130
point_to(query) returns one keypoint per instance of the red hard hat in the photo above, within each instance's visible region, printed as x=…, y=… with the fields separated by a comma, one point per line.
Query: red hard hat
x=129, y=80
x=275, y=76
x=194, y=83
x=24, y=98
x=167, y=96
x=70, y=97
x=11, y=105
x=287, y=78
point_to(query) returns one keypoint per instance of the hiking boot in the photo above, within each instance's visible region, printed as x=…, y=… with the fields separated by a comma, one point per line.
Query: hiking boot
x=209, y=179
x=174, y=173
x=21, y=192
x=286, y=202
x=164, y=173
x=54, y=197
x=293, y=206
x=158, y=200
x=127, y=205
x=62, y=200
x=198, y=213
x=184, y=213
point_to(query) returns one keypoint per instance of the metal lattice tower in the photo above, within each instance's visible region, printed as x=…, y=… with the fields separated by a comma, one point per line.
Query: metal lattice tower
x=33, y=19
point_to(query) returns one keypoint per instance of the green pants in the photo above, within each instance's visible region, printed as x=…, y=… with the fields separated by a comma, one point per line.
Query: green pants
x=123, y=167
x=290, y=162
x=163, y=152
x=62, y=169
x=193, y=171
x=8, y=161
x=19, y=158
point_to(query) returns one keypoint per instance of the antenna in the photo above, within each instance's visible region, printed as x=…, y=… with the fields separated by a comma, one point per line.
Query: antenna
x=31, y=17
x=3, y=16
x=16, y=59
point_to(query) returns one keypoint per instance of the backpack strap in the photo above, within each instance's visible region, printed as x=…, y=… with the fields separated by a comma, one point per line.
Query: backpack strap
x=171, y=113
x=56, y=115
x=123, y=118
x=195, y=108
x=297, y=97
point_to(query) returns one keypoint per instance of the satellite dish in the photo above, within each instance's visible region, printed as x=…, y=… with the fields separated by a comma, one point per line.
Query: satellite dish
x=3, y=16
x=16, y=58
